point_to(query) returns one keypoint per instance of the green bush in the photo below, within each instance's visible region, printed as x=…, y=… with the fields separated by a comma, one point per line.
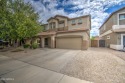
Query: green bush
x=35, y=45
x=26, y=45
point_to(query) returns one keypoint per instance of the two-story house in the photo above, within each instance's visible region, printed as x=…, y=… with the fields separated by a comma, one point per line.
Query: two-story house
x=113, y=30
x=66, y=33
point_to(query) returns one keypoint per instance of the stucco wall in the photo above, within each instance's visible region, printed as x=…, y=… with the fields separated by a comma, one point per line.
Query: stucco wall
x=85, y=23
x=114, y=39
x=46, y=27
x=115, y=16
x=107, y=26
x=84, y=34
x=113, y=20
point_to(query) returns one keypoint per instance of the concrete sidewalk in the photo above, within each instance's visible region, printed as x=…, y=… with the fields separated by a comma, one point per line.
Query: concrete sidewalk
x=15, y=71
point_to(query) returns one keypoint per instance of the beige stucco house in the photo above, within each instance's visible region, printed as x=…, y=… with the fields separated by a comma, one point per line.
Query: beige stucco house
x=113, y=30
x=66, y=33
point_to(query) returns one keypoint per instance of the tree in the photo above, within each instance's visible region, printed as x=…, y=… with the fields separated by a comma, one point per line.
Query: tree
x=19, y=20
x=4, y=22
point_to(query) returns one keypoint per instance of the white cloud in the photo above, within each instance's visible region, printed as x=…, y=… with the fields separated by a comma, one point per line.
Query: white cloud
x=94, y=7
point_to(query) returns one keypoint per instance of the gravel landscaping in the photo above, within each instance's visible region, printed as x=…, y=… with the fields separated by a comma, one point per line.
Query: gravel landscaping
x=97, y=66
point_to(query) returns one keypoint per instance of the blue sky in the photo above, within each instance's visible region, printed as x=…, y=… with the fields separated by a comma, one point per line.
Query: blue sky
x=98, y=9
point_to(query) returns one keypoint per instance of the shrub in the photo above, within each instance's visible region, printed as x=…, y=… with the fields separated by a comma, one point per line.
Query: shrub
x=26, y=45
x=35, y=45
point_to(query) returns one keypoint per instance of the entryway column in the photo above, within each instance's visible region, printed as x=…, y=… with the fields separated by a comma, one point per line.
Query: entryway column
x=42, y=42
x=52, y=41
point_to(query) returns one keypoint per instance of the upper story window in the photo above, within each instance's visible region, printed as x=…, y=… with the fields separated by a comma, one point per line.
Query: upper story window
x=122, y=16
x=73, y=22
x=61, y=22
x=80, y=21
x=54, y=25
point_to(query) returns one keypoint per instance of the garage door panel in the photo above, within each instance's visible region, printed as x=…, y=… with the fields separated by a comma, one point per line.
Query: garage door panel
x=69, y=43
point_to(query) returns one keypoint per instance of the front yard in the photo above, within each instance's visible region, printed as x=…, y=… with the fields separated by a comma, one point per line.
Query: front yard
x=98, y=65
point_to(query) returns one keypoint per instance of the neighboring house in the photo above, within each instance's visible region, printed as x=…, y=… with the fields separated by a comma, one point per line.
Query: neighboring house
x=66, y=33
x=113, y=30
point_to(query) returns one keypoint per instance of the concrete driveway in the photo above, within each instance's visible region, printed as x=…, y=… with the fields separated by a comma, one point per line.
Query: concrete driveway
x=36, y=66
x=97, y=65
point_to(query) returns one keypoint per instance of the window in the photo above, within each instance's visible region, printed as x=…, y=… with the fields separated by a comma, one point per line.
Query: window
x=121, y=16
x=79, y=21
x=54, y=25
x=73, y=21
x=108, y=37
x=61, y=22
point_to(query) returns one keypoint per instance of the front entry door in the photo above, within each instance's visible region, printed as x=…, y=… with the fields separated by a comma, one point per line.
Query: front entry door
x=46, y=42
x=124, y=41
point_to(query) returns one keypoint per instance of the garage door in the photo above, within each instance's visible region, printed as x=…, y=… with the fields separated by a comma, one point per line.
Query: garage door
x=69, y=42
